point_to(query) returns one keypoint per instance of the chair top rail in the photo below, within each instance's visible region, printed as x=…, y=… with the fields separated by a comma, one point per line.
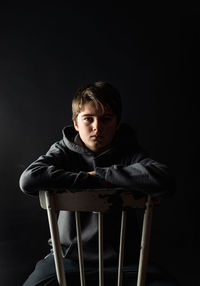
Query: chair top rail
x=96, y=200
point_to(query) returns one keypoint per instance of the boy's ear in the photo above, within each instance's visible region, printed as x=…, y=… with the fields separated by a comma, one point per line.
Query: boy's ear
x=76, y=125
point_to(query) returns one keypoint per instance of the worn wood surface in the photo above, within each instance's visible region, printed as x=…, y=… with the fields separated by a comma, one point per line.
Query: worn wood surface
x=99, y=200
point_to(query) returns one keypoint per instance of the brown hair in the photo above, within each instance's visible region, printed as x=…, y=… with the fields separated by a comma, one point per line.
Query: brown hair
x=102, y=94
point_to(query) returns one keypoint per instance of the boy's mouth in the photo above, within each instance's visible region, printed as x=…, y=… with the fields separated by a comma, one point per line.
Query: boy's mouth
x=97, y=137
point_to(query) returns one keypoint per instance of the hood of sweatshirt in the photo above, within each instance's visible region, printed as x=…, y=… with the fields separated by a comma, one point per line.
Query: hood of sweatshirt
x=124, y=138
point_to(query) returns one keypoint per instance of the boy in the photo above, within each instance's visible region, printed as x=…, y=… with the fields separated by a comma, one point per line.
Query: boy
x=97, y=151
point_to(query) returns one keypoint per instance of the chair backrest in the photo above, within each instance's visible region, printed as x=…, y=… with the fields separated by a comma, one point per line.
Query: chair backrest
x=100, y=201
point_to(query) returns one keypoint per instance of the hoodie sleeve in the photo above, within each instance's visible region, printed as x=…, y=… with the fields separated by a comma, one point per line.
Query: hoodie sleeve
x=49, y=171
x=143, y=175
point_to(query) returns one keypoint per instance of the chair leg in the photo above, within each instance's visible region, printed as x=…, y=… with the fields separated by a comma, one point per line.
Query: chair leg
x=100, y=229
x=121, y=248
x=144, y=250
x=60, y=272
x=80, y=248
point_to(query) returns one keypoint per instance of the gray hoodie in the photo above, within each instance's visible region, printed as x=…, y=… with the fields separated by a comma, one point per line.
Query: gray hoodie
x=124, y=164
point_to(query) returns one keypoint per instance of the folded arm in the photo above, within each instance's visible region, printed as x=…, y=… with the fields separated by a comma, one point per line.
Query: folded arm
x=49, y=171
x=144, y=174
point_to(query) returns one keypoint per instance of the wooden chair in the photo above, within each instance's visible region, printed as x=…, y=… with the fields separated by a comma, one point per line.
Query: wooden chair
x=100, y=201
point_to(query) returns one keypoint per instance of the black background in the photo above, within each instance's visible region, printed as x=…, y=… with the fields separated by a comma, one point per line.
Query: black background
x=151, y=54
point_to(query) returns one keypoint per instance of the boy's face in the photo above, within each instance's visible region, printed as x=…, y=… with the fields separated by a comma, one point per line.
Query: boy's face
x=96, y=130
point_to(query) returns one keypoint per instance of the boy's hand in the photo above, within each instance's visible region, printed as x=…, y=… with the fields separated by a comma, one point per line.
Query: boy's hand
x=93, y=173
x=103, y=182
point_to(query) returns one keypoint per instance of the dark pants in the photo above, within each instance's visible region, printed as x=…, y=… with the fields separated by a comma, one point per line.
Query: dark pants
x=44, y=274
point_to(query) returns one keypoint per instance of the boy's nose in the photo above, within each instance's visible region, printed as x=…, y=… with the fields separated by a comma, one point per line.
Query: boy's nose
x=97, y=125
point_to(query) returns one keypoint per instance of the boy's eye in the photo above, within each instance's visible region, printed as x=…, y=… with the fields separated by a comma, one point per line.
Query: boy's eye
x=107, y=118
x=89, y=119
